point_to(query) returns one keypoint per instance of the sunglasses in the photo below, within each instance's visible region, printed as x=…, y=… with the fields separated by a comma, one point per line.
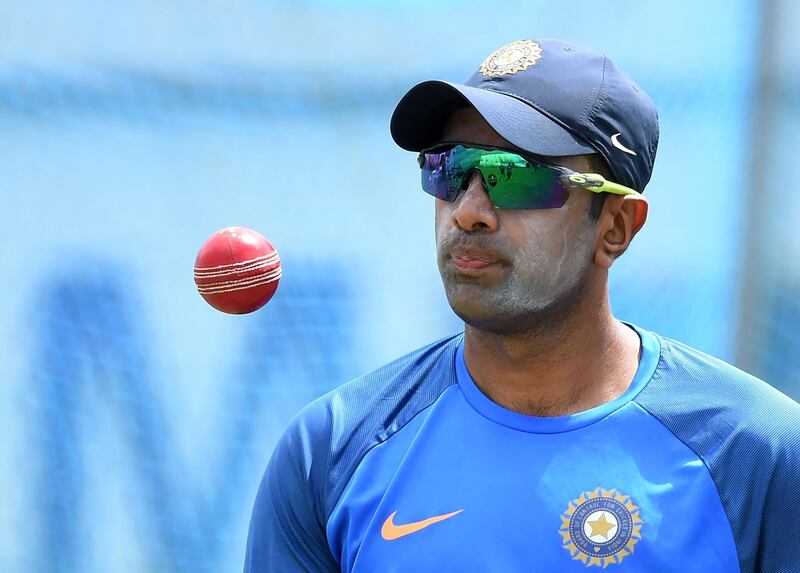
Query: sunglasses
x=511, y=180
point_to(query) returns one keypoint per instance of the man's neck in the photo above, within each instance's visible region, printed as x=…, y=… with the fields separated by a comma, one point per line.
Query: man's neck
x=577, y=364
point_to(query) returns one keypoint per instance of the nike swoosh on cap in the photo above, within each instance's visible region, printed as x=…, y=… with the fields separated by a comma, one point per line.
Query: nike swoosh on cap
x=390, y=531
x=615, y=142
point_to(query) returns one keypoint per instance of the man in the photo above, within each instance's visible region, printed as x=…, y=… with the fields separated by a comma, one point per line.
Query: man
x=548, y=436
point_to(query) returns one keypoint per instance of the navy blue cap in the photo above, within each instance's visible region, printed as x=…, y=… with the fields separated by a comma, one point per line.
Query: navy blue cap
x=547, y=97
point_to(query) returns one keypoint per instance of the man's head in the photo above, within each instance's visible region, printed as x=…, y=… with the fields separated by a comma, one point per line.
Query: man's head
x=541, y=262
x=510, y=270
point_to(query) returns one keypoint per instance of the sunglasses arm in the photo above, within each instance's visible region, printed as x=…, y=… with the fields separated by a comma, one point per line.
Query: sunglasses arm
x=596, y=184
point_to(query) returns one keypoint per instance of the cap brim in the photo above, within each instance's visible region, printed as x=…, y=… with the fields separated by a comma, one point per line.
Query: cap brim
x=418, y=120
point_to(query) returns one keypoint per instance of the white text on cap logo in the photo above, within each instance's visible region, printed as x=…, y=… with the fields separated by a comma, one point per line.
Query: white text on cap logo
x=615, y=142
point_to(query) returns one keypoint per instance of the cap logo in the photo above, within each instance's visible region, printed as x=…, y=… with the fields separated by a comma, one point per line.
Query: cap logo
x=616, y=143
x=511, y=58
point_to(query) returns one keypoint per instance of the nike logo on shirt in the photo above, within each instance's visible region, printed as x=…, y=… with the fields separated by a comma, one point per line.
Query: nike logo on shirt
x=390, y=531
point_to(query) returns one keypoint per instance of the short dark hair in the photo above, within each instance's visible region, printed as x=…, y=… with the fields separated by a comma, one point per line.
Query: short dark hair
x=600, y=167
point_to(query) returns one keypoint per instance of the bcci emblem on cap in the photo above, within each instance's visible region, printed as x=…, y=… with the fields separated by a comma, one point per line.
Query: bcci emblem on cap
x=511, y=58
x=601, y=527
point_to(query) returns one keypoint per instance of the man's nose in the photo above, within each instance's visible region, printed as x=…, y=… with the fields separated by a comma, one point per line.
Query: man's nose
x=474, y=210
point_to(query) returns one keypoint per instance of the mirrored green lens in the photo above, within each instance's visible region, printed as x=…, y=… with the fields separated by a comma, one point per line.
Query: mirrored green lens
x=511, y=181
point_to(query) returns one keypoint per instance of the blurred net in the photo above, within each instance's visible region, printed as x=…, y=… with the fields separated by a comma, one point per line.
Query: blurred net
x=126, y=455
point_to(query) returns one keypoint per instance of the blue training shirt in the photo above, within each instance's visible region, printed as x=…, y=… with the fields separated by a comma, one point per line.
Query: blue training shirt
x=696, y=467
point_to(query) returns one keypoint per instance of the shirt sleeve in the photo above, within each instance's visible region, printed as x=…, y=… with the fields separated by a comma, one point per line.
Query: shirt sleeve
x=287, y=530
x=778, y=551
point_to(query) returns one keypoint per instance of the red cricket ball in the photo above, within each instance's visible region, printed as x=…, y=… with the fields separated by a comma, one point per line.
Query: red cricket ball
x=237, y=270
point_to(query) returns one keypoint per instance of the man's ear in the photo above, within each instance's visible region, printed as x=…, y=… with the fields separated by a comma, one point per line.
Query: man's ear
x=620, y=220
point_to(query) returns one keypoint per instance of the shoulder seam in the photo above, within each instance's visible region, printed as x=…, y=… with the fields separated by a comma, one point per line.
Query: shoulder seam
x=705, y=465
x=381, y=438
x=446, y=340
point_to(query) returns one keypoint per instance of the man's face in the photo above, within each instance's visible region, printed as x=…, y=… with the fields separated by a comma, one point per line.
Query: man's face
x=510, y=271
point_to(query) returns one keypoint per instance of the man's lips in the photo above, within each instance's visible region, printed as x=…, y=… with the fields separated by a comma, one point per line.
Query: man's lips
x=473, y=258
x=468, y=263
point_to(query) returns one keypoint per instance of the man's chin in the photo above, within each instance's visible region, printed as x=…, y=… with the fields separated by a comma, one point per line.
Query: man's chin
x=494, y=324
x=485, y=316
x=500, y=318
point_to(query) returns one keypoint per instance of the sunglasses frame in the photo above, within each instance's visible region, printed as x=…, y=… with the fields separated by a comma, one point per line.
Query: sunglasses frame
x=592, y=182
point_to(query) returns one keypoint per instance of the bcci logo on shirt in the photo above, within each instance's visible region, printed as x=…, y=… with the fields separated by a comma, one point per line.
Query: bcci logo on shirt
x=601, y=527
